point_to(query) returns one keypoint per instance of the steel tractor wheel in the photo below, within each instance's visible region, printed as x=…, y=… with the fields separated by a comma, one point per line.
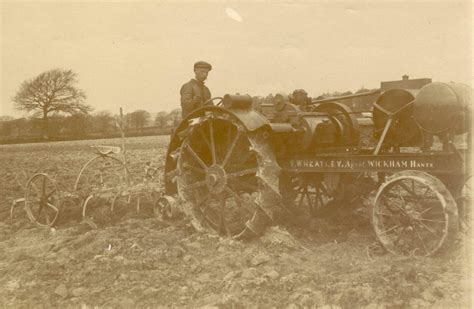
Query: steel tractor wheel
x=414, y=214
x=228, y=177
x=42, y=200
x=316, y=192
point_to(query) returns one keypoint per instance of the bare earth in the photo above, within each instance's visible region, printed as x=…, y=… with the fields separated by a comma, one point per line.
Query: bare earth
x=136, y=260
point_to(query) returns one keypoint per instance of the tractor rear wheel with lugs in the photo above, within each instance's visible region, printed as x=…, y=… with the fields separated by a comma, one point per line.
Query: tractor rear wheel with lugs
x=227, y=177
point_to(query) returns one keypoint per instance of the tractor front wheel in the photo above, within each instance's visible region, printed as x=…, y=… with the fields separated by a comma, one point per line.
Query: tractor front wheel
x=414, y=214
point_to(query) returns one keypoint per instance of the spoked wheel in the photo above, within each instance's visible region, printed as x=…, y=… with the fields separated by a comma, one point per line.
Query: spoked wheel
x=464, y=202
x=100, y=179
x=414, y=214
x=42, y=200
x=310, y=191
x=224, y=179
x=101, y=173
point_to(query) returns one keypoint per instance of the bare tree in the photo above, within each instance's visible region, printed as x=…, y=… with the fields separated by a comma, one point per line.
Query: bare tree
x=52, y=91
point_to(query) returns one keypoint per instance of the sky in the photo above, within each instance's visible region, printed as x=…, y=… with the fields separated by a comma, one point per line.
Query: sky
x=137, y=55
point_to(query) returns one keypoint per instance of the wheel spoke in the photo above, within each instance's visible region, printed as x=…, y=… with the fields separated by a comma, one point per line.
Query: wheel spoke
x=193, y=168
x=204, y=138
x=48, y=222
x=323, y=189
x=53, y=207
x=402, y=199
x=40, y=208
x=399, y=236
x=384, y=214
x=204, y=209
x=222, y=226
x=242, y=172
x=195, y=156
x=303, y=194
x=195, y=185
x=35, y=188
x=426, y=210
x=390, y=229
x=323, y=192
x=421, y=239
x=427, y=228
x=204, y=212
x=213, y=145
x=244, y=184
x=429, y=220
x=406, y=188
x=43, y=190
x=400, y=208
x=423, y=197
x=310, y=201
x=50, y=193
x=242, y=201
x=231, y=148
x=200, y=201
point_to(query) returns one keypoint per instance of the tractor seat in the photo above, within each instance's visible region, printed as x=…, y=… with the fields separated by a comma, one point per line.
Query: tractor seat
x=106, y=150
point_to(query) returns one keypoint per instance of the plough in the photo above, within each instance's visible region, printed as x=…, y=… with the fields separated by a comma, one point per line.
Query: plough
x=105, y=176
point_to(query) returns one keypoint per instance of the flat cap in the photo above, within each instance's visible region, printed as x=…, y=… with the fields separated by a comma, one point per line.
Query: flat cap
x=298, y=91
x=203, y=64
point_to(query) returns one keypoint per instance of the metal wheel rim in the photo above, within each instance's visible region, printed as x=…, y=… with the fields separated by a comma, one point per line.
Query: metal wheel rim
x=382, y=233
x=49, y=200
x=208, y=182
x=104, y=177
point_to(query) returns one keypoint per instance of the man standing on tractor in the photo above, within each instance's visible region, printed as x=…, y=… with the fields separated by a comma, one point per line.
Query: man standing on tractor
x=300, y=98
x=194, y=93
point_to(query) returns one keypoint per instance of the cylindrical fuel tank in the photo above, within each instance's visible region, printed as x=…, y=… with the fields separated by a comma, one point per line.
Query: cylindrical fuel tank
x=403, y=130
x=441, y=107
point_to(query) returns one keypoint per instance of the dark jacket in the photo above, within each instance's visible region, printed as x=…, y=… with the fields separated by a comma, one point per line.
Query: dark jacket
x=193, y=95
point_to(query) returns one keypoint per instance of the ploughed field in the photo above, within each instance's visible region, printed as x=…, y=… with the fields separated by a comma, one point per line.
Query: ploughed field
x=137, y=260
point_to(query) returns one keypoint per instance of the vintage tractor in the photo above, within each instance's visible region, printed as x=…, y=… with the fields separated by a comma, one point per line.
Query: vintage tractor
x=238, y=167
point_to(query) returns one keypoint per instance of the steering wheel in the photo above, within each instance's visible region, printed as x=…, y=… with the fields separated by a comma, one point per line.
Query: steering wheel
x=213, y=99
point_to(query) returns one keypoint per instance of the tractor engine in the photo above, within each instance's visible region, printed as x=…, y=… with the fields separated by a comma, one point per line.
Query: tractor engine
x=318, y=128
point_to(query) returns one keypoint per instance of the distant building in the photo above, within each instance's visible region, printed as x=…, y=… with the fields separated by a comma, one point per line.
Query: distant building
x=405, y=83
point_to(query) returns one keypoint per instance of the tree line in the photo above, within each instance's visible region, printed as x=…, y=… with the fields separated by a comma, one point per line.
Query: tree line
x=102, y=124
x=57, y=110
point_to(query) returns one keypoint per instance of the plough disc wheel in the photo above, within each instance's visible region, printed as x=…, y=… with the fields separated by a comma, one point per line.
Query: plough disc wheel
x=165, y=208
x=414, y=214
x=228, y=178
x=42, y=200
